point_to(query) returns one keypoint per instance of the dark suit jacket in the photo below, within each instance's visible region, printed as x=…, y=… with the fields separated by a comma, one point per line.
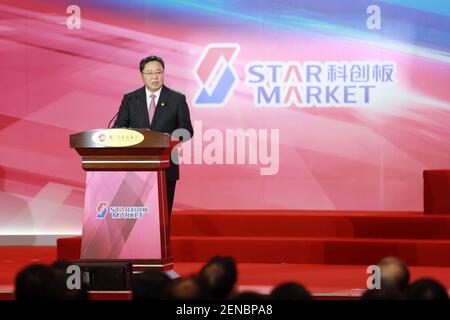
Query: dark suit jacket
x=174, y=114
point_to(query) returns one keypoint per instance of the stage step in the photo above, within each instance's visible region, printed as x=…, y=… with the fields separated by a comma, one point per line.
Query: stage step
x=310, y=237
x=349, y=251
x=340, y=224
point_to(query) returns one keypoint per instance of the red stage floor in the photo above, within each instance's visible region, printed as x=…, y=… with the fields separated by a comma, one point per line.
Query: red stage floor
x=324, y=281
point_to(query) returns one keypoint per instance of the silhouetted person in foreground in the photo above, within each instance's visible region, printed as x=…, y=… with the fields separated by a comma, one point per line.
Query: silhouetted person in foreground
x=249, y=295
x=394, y=274
x=150, y=285
x=32, y=283
x=290, y=291
x=187, y=288
x=426, y=289
x=219, y=277
x=385, y=293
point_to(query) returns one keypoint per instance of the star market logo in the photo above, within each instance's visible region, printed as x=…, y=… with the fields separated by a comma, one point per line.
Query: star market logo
x=102, y=210
x=121, y=212
x=215, y=74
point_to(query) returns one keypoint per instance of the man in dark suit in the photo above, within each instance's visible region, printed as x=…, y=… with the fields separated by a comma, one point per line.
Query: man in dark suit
x=158, y=108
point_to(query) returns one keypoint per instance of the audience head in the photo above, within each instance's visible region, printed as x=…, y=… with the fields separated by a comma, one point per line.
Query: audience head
x=394, y=273
x=187, y=288
x=150, y=285
x=248, y=295
x=426, y=289
x=32, y=283
x=219, y=277
x=290, y=291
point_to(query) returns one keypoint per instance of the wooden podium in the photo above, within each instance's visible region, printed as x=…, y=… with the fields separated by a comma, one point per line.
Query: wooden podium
x=125, y=211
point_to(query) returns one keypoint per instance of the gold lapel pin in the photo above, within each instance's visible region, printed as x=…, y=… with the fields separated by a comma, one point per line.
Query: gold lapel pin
x=162, y=104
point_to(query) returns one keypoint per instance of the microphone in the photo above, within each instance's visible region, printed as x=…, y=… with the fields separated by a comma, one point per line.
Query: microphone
x=112, y=119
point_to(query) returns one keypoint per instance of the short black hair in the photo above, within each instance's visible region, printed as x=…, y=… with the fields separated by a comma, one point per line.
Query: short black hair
x=150, y=59
x=219, y=276
x=290, y=291
x=32, y=283
x=426, y=289
x=150, y=285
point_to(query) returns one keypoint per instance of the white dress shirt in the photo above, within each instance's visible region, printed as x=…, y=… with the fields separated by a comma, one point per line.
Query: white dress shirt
x=147, y=96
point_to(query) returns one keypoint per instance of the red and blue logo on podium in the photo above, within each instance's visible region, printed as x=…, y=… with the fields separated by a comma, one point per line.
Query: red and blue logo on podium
x=215, y=74
x=102, y=210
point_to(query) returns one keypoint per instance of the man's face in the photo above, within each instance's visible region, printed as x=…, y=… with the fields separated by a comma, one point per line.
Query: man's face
x=153, y=75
